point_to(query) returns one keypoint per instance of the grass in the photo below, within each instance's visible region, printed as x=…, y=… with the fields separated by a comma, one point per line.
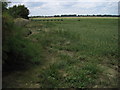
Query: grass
x=75, y=54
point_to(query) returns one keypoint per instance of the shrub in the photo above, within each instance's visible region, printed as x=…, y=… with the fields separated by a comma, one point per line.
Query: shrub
x=7, y=26
x=18, y=51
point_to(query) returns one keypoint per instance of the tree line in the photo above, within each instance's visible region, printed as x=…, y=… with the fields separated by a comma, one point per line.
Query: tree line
x=74, y=15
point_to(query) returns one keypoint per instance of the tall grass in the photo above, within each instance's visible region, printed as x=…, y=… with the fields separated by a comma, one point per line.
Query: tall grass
x=88, y=40
x=75, y=52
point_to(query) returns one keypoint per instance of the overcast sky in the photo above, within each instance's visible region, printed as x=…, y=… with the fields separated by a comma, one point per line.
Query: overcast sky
x=58, y=7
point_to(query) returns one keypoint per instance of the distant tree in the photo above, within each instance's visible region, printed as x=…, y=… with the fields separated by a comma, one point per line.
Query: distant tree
x=19, y=11
x=74, y=15
x=56, y=15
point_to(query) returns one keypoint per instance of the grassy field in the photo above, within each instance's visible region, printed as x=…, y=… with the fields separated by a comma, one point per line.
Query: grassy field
x=76, y=52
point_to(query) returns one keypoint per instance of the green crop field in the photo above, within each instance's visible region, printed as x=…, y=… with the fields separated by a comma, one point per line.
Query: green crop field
x=75, y=52
x=76, y=18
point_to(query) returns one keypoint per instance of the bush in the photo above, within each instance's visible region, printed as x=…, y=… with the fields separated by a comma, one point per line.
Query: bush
x=18, y=51
x=7, y=26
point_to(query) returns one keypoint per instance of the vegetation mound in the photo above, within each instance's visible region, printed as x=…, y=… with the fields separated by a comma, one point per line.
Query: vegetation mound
x=21, y=21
